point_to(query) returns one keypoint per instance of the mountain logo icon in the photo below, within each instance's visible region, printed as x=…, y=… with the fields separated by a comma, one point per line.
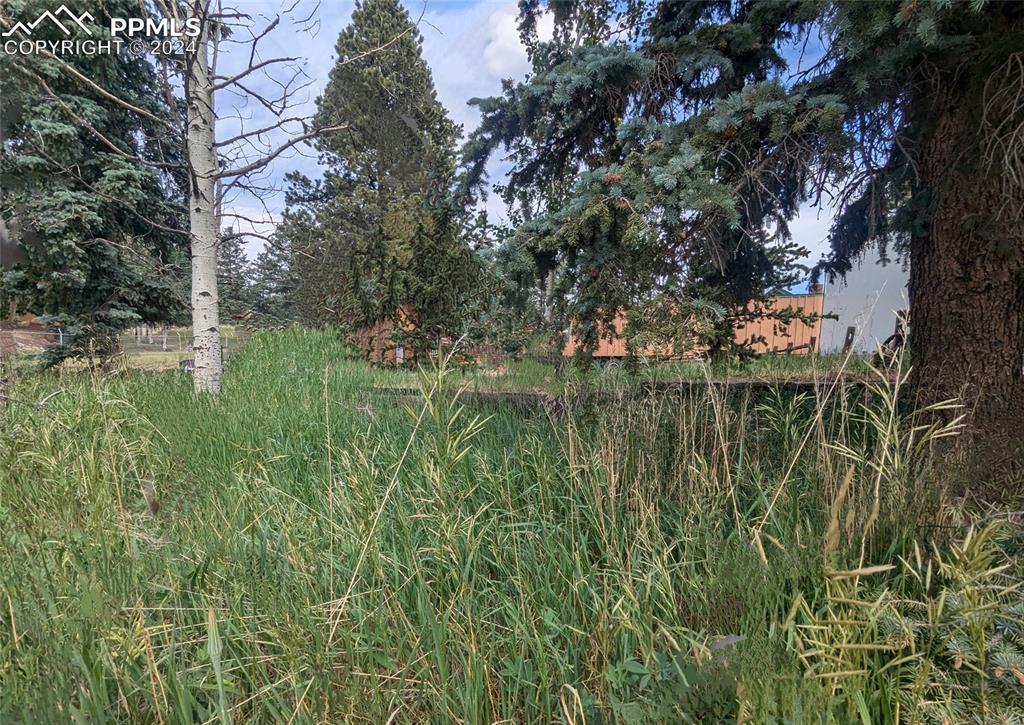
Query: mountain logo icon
x=70, y=19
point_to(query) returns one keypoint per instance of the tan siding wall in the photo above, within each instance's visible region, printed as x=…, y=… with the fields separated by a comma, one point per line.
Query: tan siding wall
x=777, y=336
x=803, y=337
x=376, y=342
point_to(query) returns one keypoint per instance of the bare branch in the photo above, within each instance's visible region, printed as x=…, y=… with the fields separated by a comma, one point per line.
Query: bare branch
x=277, y=105
x=260, y=163
x=245, y=218
x=260, y=131
x=225, y=82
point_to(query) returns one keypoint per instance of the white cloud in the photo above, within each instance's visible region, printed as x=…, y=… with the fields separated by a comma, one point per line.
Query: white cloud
x=470, y=49
x=810, y=229
x=505, y=54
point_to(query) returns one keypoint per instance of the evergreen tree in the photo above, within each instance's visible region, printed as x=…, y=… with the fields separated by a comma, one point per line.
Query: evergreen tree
x=274, y=283
x=699, y=137
x=312, y=264
x=234, y=272
x=380, y=233
x=398, y=138
x=439, y=273
x=515, y=297
x=98, y=229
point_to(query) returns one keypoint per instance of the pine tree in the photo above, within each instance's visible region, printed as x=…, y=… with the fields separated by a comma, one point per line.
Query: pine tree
x=699, y=138
x=398, y=138
x=234, y=276
x=97, y=228
x=274, y=282
x=311, y=264
x=380, y=233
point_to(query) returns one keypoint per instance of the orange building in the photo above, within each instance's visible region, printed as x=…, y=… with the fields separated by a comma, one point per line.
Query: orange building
x=763, y=335
x=796, y=336
x=377, y=341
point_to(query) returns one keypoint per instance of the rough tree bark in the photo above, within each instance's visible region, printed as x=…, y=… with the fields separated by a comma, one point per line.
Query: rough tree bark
x=549, y=297
x=967, y=272
x=202, y=161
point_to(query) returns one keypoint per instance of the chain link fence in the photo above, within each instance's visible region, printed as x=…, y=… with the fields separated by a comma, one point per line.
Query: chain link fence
x=147, y=347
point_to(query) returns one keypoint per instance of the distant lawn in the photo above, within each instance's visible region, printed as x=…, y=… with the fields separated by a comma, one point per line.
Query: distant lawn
x=156, y=360
x=139, y=353
x=520, y=375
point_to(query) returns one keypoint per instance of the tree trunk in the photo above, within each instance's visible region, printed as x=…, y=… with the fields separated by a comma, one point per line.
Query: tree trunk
x=967, y=277
x=202, y=162
x=549, y=297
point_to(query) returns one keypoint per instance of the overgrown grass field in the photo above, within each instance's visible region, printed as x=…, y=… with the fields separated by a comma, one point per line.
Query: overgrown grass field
x=313, y=548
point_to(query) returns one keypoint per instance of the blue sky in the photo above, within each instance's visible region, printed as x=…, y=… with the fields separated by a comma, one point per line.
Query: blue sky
x=470, y=47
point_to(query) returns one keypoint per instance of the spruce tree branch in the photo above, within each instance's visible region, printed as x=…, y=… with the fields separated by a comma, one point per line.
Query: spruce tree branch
x=89, y=127
x=75, y=73
x=107, y=197
x=160, y=266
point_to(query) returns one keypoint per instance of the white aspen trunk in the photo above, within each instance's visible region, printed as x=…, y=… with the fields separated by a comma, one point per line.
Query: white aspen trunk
x=163, y=338
x=202, y=161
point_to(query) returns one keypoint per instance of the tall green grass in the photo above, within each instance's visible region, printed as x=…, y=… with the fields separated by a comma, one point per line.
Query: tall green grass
x=323, y=550
x=530, y=375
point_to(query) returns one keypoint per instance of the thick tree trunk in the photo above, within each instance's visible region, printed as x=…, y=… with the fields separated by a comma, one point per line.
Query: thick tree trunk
x=967, y=278
x=202, y=161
